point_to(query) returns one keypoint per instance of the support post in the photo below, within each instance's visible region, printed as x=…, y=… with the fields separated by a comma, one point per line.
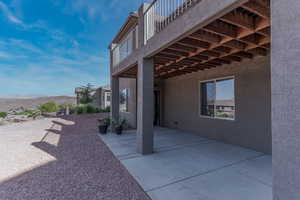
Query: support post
x=115, y=98
x=285, y=79
x=145, y=109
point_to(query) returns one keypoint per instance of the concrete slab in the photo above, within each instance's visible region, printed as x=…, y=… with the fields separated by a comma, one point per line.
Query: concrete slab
x=165, y=139
x=157, y=170
x=225, y=184
x=259, y=169
x=186, y=166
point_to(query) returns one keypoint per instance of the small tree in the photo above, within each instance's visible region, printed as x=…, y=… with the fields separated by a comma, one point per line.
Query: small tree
x=3, y=114
x=86, y=94
x=48, y=107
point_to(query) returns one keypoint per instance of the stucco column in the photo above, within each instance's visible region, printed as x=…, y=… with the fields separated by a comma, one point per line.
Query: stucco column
x=145, y=106
x=285, y=77
x=115, y=98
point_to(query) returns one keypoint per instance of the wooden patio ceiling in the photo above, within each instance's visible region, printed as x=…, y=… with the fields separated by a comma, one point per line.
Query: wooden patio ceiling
x=241, y=34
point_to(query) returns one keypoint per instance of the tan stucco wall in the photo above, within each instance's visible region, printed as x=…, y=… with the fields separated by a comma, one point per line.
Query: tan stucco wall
x=251, y=127
x=130, y=116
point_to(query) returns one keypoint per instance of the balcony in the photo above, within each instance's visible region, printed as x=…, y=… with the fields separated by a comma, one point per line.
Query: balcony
x=125, y=47
x=160, y=13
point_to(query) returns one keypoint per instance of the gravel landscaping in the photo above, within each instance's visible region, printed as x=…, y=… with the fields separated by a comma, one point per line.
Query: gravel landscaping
x=61, y=158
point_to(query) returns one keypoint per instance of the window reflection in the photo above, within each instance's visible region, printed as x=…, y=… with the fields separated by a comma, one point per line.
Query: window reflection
x=217, y=99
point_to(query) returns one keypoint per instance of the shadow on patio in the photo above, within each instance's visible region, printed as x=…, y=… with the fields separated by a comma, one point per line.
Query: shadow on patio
x=69, y=161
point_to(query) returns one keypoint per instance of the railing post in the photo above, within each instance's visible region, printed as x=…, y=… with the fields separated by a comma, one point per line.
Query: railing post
x=142, y=25
x=157, y=15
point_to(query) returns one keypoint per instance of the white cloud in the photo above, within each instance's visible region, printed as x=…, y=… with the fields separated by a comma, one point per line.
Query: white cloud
x=22, y=44
x=55, y=68
x=4, y=55
x=50, y=71
x=10, y=16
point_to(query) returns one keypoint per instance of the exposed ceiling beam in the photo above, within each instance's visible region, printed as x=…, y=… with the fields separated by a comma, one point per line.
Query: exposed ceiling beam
x=239, y=19
x=257, y=8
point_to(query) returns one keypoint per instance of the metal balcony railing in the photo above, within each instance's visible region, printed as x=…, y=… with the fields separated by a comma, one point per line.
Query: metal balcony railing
x=160, y=13
x=125, y=47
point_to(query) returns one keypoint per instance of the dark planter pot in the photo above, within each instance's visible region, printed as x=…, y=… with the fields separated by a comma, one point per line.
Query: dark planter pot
x=103, y=129
x=119, y=130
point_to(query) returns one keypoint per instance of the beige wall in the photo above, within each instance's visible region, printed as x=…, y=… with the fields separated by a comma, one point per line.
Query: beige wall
x=251, y=128
x=130, y=116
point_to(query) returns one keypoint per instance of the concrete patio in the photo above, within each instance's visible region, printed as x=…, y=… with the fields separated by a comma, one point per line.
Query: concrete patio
x=186, y=166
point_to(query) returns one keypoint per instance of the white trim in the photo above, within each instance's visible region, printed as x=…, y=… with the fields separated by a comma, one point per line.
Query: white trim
x=200, y=101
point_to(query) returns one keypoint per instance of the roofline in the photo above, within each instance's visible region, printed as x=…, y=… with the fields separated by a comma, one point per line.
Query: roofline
x=132, y=16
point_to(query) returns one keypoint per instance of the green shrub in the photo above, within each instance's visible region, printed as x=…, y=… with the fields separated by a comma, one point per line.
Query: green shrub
x=3, y=114
x=48, y=107
x=79, y=110
x=107, y=109
x=33, y=113
x=91, y=109
x=64, y=106
x=87, y=109
x=97, y=110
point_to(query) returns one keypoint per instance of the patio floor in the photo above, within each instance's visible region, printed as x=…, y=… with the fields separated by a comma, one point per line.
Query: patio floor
x=186, y=166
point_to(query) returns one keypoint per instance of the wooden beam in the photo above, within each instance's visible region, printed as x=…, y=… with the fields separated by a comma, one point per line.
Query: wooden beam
x=174, y=52
x=244, y=55
x=222, y=61
x=201, y=57
x=266, y=32
x=163, y=55
x=239, y=19
x=221, y=28
x=262, y=23
x=257, y=8
x=194, y=43
x=233, y=58
x=259, y=51
x=179, y=47
x=251, y=39
x=205, y=36
x=231, y=38
x=235, y=44
x=222, y=49
x=210, y=53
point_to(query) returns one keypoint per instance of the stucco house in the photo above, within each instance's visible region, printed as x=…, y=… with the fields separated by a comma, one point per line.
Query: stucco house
x=227, y=70
x=101, y=96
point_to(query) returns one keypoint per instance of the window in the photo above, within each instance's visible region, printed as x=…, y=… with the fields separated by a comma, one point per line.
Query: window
x=107, y=96
x=126, y=46
x=124, y=95
x=217, y=98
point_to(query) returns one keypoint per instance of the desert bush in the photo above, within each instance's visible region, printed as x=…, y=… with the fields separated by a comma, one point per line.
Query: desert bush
x=3, y=114
x=106, y=110
x=26, y=112
x=64, y=106
x=82, y=109
x=91, y=109
x=87, y=109
x=34, y=114
x=48, y=107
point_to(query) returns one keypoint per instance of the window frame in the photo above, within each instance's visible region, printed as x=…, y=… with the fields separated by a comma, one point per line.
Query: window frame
x=200, y=99
x=127, y=100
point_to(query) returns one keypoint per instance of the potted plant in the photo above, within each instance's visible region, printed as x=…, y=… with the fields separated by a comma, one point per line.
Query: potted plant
x=119, y=126
x=103, y=125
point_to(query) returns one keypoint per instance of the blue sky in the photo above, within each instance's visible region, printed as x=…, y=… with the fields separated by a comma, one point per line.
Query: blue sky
x=49, y=47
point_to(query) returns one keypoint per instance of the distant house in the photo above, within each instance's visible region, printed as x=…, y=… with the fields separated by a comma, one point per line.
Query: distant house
x=101, y=96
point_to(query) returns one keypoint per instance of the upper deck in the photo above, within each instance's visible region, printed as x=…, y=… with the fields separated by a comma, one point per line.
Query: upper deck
x=185, y=36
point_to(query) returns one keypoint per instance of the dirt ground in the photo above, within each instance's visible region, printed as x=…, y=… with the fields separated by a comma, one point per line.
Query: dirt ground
x=61, y=158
